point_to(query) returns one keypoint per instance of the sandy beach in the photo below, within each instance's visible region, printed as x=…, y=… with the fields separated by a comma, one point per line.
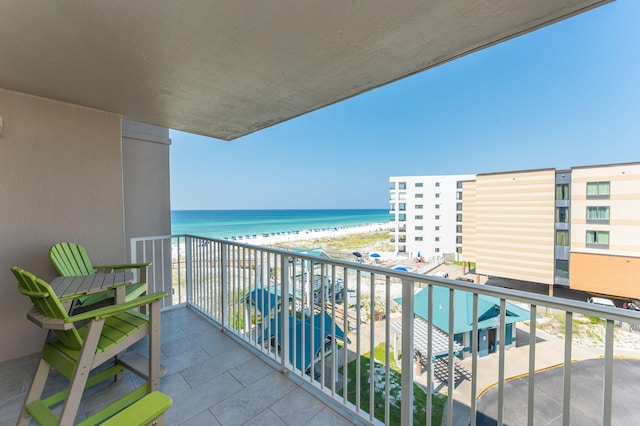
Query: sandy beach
x=309, y=234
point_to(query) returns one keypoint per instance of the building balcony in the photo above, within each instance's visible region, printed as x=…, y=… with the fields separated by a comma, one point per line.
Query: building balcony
x=258, y=335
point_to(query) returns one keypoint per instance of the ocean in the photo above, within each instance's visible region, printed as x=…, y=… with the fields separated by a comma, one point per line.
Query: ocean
x=228, y=223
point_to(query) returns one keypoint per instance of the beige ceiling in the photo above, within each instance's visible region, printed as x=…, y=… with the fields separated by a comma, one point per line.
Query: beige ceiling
x=229, y=68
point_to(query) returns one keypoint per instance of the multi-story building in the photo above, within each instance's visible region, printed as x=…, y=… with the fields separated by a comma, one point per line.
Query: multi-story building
x=578, y=228
x=426, y=212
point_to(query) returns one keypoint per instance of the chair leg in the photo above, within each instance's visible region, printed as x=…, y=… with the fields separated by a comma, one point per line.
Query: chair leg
x=81, y=373
x=35, y=390
x=154, y=347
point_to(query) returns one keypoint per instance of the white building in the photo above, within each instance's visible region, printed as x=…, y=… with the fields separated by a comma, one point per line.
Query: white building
x=426, y=214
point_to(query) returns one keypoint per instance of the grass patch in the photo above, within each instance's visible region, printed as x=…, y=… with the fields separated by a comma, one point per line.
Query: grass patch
x=343, y=246
x=395, y=379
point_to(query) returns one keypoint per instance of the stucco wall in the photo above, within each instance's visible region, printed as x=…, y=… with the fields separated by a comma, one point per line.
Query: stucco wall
x=61, y=174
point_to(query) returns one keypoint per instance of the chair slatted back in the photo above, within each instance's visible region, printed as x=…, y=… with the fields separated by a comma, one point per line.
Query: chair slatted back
x=70, y=259
x=45, y=300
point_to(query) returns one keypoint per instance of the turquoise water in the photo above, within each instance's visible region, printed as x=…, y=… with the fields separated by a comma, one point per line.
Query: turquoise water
x=227, y=223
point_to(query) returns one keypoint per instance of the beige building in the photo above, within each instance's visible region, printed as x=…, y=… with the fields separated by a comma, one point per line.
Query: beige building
x=578, y=228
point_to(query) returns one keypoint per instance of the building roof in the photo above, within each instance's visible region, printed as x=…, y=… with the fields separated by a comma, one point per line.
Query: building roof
x=488, y=310
x=439, y=340
x=226, y=69
x=320, y=334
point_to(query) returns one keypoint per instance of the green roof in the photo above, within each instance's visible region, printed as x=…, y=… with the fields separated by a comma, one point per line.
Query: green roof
x=488, y=310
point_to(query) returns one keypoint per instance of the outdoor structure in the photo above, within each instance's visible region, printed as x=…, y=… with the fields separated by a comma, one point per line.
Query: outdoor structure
x=577, y=228
x=488, y=319
x=426, y=214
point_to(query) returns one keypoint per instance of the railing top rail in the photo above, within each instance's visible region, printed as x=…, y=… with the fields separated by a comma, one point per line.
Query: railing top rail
x=585, y=308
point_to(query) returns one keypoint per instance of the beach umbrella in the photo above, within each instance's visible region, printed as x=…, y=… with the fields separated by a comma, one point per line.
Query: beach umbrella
x=357, y=254
x=374, y=255
x=419, y=255
x=400, y=268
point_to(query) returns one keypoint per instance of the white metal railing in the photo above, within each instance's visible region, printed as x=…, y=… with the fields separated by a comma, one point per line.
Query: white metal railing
x=323, y=320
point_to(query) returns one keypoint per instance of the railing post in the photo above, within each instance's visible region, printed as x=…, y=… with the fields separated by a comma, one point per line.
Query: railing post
x=407, y=354
x=224, y=285
x=188, y=268
x=284, y=313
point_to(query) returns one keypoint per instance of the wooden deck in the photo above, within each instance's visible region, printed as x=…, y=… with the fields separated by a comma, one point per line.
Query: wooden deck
x=211, y=378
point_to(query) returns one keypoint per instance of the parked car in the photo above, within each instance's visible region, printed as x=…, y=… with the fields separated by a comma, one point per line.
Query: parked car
x=601, y=301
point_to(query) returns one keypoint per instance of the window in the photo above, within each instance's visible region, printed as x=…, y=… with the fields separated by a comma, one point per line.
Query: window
x=437, y=184
x=402, y=185
x=459, y=239
x=437, y=195
x=419, y=184
x=598, y=239
x=459, y=207
x=562, y=268
x=562, y=214
x=418, y=206
x=419, y=217
x=562, y=191
x=459, y=196
x=458, y=218
x=437, y=238
x=418, y=228
x=419, y=195
x=598, y=214
x=459, y=229
x=437, y=228
x=562, y=237
x=437, y=206
x=437, y=217
x=437, y=250
x=418, y=238
x=459, y=185
x=402, y=206
x=392, y=206
x=598, y=190
x=459, y=250
x=402, y=217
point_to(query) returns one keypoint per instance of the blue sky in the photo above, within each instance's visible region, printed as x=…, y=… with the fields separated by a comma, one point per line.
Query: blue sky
x=566, y=95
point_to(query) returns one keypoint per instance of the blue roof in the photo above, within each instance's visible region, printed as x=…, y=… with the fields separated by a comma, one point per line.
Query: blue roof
x=318, y=337
x=264, y=299
x=488, y=310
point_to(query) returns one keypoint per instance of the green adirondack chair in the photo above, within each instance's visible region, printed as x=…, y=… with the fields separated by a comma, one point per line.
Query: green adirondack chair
x=71, y=259
x=76, y=351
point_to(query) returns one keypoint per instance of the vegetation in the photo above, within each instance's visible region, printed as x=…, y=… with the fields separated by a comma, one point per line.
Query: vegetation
x=342, y=247
x=395, y=379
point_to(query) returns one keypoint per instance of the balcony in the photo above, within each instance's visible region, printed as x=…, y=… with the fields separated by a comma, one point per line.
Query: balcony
x=260, y=335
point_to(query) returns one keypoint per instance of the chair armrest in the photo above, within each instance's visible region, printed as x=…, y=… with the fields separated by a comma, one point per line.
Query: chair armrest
x=123, y=266
x=108, y=311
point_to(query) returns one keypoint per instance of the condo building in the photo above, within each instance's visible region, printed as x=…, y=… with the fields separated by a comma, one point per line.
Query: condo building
x=578, y=228
x=426, y=214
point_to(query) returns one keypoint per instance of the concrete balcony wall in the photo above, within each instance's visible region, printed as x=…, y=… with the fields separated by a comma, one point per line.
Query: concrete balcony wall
x=61, y=181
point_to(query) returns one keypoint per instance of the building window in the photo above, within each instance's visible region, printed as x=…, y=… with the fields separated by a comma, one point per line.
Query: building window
x=562, y=268
x=598, y=190
x=458, y=218
x=437, y=184
x=419, y=184
x=418, y=238
x=459, y=250
x=419, y=217
x=459, y=207
x=418, y=206
x=418, y=228
x=437, y=206
x=459, y=185
x=392, y=206
x=459, y=239
x=437, y=250
x=459, y=229
x=402, y=249
x=599, y=214
x=402, y=217
x=437, y=217
x=562, y=214
x=562, y=191
x=459, y=196
x=402, y=206
x=437, y=228
x=562, y=238
x=437, y=238
x=402, y=185
x=437, y=195
x=419, y=195
x=598, y=239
